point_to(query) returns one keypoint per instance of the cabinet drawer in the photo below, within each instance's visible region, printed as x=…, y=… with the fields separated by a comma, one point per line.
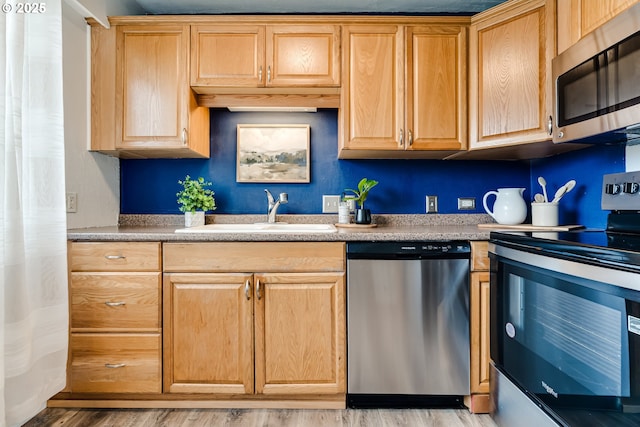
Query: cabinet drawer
x=115, y=256
x=115, y=301
x=265, y=257
x=479, y=256
x=116, y=363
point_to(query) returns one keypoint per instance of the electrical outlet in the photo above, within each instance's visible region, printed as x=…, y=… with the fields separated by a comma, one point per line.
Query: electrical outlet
x=330, y=204
x=72, y=202
x=466, y=203
x=432, y=204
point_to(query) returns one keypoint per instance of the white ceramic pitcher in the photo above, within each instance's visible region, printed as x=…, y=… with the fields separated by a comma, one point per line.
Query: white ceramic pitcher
x=509, y=207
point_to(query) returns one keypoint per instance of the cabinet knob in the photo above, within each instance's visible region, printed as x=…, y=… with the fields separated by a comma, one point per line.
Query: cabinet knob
x=184, y=136
x=410, y=138
x=269, y=74
x=401, y=138
x=258, y=293
x=550, y=125
x=260, y=73
x=113, y=257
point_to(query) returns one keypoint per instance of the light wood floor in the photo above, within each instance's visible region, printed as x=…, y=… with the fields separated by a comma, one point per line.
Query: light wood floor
x=258, y=418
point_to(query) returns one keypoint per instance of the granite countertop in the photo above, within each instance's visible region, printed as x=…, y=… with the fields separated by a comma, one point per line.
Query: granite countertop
x=389, y=228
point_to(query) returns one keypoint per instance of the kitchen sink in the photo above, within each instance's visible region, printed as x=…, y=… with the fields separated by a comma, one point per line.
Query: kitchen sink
x=263, y=227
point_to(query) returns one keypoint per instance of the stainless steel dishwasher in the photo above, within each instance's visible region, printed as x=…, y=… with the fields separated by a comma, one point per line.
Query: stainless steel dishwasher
x=407, y=324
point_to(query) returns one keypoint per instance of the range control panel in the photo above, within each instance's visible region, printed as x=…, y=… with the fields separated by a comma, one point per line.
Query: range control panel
x=621, y=191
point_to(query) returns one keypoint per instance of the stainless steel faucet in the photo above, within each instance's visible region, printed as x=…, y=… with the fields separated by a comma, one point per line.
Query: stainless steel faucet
x=272, y=210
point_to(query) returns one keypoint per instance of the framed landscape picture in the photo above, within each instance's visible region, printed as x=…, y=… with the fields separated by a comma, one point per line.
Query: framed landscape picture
x=273, y=153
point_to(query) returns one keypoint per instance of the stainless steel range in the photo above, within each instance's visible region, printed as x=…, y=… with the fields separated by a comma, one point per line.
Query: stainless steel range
x=565, y=320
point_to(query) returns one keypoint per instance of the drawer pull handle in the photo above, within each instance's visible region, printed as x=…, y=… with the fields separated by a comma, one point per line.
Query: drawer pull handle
x=115, y=304
x=115, y=257
x=114, y=365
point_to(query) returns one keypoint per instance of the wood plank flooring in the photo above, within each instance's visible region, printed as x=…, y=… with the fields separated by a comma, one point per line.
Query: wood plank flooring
x=61, y=417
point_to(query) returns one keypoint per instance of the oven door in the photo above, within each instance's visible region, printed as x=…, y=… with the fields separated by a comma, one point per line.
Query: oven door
x=566, y=333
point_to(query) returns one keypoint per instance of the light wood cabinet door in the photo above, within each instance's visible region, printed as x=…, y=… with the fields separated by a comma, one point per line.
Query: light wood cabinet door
x=248, y=55
x=436, y=88
x=300, y=333
x=579, y=17
x=303, y=55
x=227, y=55
x=372, y=100
x=480, y=350
x=208, y=333
x=155, y=108
x=511, y=47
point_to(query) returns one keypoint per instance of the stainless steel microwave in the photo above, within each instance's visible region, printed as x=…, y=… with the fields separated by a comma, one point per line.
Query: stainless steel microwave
x=597, y=84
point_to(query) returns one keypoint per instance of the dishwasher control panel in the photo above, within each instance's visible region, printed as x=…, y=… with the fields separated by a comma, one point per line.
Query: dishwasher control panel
x=407, y=249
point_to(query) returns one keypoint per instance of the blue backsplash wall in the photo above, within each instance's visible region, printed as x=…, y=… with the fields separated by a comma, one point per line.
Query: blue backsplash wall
x=149, y=186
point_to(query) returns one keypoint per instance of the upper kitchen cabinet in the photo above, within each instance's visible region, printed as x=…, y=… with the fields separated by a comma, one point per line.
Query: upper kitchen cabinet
x=579, y=17
x=511, y=47
x=142, y=105
x=403, y=91
x=372, y=100
x=510, y=98
x=436, y=113
x=264, y=56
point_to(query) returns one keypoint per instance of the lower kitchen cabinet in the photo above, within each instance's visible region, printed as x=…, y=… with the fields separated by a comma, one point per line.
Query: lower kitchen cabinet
x=478, y=401
x=115, y=340
x=224, y=324
x=237, y=322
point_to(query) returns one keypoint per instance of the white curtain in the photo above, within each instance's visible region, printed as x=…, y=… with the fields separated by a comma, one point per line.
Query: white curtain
x=33, y=263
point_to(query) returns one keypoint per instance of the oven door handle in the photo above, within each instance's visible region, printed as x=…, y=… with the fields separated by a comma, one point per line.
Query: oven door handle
x=603, y=273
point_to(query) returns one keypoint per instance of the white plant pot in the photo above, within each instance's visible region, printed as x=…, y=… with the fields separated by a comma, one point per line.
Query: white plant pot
x=194, y=219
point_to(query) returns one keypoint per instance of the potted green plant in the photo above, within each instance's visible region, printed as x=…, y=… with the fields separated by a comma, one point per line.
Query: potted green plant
x=194, y=200
x=362, y=215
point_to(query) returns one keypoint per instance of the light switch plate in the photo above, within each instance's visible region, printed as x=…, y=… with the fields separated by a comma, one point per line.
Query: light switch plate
x=432, y=204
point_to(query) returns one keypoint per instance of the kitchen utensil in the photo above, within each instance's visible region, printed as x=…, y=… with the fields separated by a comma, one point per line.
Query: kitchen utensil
x=559, y=194
x=543, y=184
x=570, y=185
x=563, y=190
x=538, y=198
x=509, y=207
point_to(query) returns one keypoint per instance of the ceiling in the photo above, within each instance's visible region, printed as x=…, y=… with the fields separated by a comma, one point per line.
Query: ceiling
x=426, y=7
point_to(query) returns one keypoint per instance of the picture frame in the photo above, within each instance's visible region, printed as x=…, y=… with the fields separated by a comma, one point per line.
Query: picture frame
x=273, y=153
